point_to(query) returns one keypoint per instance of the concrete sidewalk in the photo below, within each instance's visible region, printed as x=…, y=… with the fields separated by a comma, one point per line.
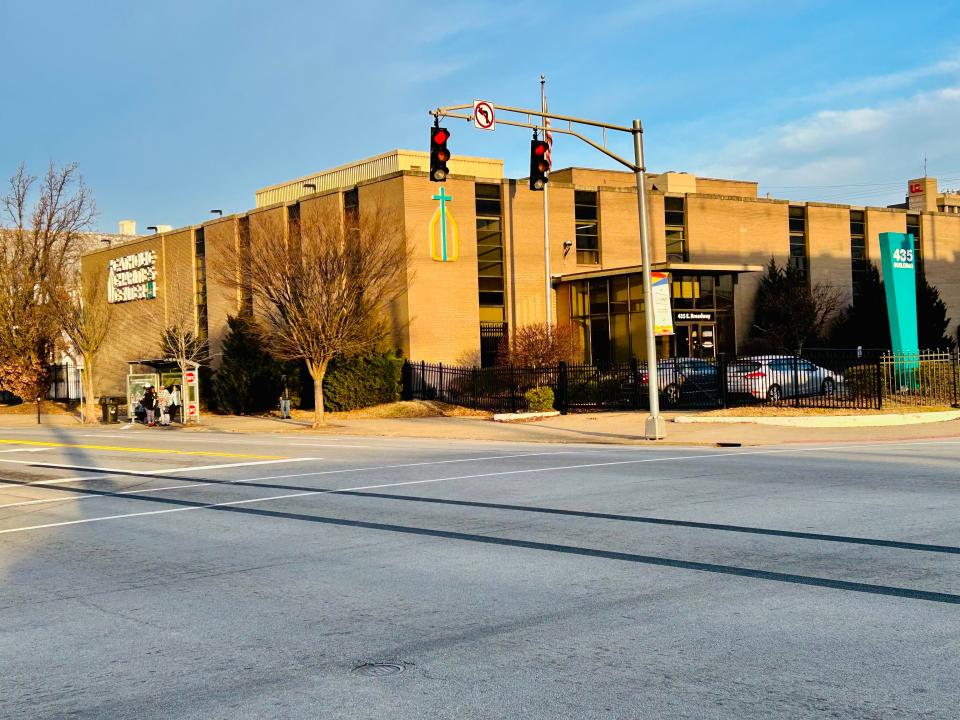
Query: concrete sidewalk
x=618, y=428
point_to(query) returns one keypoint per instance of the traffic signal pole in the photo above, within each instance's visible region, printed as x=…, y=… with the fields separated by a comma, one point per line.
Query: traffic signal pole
x=654, y=427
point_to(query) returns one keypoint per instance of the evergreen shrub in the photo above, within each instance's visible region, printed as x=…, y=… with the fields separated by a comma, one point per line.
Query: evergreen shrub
x=539, y=399
x=248, y=380
x=358, y=382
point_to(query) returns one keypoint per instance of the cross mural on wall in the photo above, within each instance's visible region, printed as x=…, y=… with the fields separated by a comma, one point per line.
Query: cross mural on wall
x=447, y=249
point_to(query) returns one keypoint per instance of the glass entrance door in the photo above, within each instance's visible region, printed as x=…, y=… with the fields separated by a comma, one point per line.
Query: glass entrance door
x=698, y=340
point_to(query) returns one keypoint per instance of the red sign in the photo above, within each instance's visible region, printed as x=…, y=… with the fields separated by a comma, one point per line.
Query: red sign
x=191, y=409
x=915, y=188
x=191, y=377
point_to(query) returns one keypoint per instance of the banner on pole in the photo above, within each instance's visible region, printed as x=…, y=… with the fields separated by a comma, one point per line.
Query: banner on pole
x=660, y=303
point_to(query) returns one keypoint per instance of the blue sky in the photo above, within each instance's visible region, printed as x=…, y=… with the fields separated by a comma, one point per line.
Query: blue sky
x=175, y=108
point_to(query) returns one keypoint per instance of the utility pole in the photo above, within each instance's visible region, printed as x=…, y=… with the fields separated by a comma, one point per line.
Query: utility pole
x=654, y=426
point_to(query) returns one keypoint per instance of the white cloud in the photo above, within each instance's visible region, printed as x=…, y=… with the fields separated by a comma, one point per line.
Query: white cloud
x=862, y=155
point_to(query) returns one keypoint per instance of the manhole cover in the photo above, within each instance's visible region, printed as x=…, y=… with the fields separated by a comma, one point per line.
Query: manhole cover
x=379, y=669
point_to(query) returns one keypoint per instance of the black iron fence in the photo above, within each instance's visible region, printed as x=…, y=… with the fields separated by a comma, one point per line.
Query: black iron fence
x=65, y=383
x=851, y=379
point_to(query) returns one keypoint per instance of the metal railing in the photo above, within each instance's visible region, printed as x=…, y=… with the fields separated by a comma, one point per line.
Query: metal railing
x=814, y=378
x=65, y=382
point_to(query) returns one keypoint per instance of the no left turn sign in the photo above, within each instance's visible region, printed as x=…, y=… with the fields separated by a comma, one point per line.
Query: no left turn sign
x=483, y=115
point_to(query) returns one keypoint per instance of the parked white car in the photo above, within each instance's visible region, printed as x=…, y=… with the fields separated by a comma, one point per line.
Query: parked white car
x=774, y=377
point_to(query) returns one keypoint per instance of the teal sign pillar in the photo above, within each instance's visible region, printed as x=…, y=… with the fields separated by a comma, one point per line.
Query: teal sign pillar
x=900, y=286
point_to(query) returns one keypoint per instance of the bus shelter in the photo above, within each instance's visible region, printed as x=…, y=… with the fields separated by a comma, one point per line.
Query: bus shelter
x=165, y=372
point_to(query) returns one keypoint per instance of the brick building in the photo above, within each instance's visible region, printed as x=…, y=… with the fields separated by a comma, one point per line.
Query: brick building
x=713, y=236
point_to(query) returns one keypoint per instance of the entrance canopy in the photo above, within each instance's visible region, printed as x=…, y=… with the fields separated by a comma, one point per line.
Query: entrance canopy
x=670, y=267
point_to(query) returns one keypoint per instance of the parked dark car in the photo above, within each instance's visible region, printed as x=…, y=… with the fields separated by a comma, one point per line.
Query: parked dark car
x=685, y=381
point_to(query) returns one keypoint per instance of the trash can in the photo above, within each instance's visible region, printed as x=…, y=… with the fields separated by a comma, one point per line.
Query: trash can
x=109, y=407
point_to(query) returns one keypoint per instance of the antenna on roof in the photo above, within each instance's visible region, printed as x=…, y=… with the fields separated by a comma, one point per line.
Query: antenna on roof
x=924, y=164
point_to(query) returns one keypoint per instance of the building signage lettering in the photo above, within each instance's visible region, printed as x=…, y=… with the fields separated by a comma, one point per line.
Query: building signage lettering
x=702, y=316
x=132, y=277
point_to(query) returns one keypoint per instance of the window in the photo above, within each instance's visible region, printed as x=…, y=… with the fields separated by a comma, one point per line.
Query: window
x=246, y=291
x=200, y=270
x=799, y=257
x=859, y=262
x=675, y=224
x=490, y=271
x=587, y=227
x=351, y=214
x=913, y=228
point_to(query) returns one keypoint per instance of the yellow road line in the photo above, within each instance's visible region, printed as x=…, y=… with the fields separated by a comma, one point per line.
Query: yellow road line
x=157, y=451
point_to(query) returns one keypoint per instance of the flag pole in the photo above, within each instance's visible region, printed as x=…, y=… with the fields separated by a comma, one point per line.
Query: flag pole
x=546, y=213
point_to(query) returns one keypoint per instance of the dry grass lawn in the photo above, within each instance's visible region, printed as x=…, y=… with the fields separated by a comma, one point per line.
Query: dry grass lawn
x=47, y=407
x=783, y=411
x=402, y=409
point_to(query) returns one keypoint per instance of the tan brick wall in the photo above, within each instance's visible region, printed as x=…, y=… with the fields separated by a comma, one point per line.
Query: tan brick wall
x=388, y=197
x=721, y=230
x=941, y=246
x=881, y=220
x=442, y=300
x=221, y=240
x=733, y=188
x=828, y=235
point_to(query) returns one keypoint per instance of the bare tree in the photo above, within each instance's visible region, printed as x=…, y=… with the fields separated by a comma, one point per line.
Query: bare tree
x=85, y=318
x=539, y=345
x=43, y=224
x=323, y=286
x=180, y=340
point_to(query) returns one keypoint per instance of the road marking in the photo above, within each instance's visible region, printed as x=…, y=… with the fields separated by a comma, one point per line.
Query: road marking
x=25, y=450
x=119, y=448
x=328, y=491
x=139, y=473
x=154, y=473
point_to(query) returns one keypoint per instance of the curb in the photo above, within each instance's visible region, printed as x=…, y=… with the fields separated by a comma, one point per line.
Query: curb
x=828, y=421
x=520, y=417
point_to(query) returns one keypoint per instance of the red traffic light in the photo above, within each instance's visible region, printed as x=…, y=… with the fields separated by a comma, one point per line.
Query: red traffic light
x=440, y=136
x=540, y=148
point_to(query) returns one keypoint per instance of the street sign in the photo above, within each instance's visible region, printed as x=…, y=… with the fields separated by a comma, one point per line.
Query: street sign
x=484, y=117
x=191, y=377
x=191, y=410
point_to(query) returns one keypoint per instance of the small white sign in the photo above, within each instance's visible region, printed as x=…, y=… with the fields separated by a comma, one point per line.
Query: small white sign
x=484, y=117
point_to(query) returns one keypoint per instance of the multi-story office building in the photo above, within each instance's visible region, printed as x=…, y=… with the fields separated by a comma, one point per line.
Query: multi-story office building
x=712, y=236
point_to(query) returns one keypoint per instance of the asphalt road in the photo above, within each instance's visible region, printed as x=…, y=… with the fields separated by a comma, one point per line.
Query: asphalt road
x=193, y=575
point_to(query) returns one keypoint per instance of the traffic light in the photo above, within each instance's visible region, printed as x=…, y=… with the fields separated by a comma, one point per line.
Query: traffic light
x=439, y=154
x=539, y=164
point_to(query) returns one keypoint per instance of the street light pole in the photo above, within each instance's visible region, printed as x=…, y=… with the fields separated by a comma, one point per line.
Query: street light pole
x=653, y=427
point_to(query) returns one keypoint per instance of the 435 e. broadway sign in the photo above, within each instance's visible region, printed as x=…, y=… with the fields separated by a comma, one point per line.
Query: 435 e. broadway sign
x=132, y=277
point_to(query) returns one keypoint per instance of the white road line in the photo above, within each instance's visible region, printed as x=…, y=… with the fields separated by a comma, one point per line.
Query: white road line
x=309, y=493
x=168, y=471
x=42, y=501
x=28, y=449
